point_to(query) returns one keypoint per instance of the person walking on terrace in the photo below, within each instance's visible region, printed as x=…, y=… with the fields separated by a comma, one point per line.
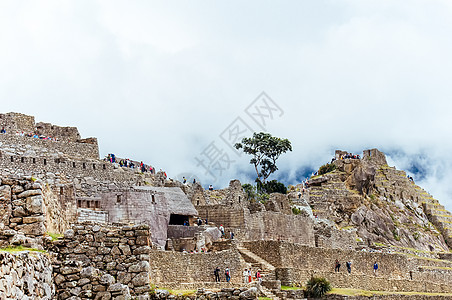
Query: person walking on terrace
x=217, y=274
x=227, y=274
x=337, y=266
x=245, y=276
x=349, y=267
x=375, y=268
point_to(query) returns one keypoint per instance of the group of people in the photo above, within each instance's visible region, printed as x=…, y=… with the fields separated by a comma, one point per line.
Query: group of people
x=223, y=234
x=33, y=135
x=248, y=277
x=346, y=156
x=184, y=180
x=127, y=163
x=227, y=274
x=348, y=264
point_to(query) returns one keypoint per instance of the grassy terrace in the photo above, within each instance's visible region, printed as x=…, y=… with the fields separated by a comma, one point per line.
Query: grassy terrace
x=355, y=292
x=20, y=249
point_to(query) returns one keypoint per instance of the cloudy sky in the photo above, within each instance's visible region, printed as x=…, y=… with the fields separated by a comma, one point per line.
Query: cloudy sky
x=172, y=83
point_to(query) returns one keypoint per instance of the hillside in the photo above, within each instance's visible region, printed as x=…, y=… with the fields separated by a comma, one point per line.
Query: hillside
x=380, y=202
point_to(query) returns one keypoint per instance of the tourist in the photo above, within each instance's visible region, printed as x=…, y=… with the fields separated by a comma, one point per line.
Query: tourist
x=375, y=268
x=245, y=276
x=221, y=230
x=184, y=180
x=227, y=274
x=217, y=274
x=258, y=276
x=231, y=235
x=3, y=130
x=210, y=187
x=349, y=267
x=250, y=277
x=337, y=266
x=199, y=221
x=194, y=180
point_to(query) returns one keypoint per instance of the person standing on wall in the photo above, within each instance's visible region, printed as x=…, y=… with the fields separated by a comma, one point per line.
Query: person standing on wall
x=349, y=267
x=227, y=274
x=375, y=268
x=337, y=266
x=245, y=276
x=259, y=276
x=216, y=272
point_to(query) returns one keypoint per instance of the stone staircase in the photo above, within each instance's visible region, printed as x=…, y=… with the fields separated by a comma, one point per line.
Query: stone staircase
x=258, y=263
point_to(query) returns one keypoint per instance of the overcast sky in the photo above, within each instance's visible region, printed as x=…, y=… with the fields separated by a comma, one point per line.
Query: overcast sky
x=171, y=82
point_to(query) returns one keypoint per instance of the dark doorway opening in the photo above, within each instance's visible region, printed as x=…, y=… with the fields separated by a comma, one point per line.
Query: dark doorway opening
x=178, y=219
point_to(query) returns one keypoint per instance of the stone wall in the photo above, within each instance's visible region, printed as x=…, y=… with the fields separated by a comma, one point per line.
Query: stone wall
x=24, y=146
x=22, y=219
x=303, y=261
x=176, y=268
x=62, y=133
x=150, y=205
x=103, y=261
x=26, y=276
x=277, y=226
x=17, y=122
x=222, y=215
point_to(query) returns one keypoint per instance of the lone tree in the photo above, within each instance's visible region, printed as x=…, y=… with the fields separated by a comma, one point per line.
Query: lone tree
x=265, y=150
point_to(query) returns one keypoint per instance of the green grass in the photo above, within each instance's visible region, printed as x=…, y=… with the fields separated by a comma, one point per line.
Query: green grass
x=55, y=236
x=290, y=288
x=264, y=298
x=182, y=292
x=20, y=249
x=347, y=227
x=380, y=245
x=356, y=292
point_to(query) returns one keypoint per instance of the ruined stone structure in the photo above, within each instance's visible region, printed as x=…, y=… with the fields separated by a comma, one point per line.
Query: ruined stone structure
x=125, y=230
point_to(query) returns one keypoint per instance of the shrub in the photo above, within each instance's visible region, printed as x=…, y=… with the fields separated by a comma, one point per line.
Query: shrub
x=296, y=211
x=326, y=168
x=316, y=287
x=249, y=190
x=274, y=186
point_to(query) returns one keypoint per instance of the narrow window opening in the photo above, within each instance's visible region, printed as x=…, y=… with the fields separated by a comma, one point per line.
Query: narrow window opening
x=103, y=166
x=94, y=166
x=197, y=202
x=79, y=203
x=45, y=161
x=153, y=198
x=84, y=166
x=12, y=158
x=22, y=159
x=61, y=190
x=96, y=204
x=34, y=160
x=118, y=198
x=73, y=164
x=87, y=204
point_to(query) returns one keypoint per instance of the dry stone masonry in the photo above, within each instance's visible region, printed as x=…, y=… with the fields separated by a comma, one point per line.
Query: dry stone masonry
x=97, y=262
x=26, y=276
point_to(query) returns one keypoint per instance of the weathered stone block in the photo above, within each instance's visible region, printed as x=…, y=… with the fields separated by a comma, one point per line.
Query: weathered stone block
x=140, y=279
x=32, y=229
x=34, y=205
x=33, y=219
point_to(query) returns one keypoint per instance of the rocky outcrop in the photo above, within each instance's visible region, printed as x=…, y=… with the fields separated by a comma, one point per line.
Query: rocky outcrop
x=378, y=201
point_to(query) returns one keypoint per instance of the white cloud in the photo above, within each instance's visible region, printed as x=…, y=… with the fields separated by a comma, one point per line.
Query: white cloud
x=159, y=81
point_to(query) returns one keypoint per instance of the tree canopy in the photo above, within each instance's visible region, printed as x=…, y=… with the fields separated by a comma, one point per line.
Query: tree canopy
x=265, y=150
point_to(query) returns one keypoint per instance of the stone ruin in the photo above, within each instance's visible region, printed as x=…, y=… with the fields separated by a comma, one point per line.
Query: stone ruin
x=122, y=231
